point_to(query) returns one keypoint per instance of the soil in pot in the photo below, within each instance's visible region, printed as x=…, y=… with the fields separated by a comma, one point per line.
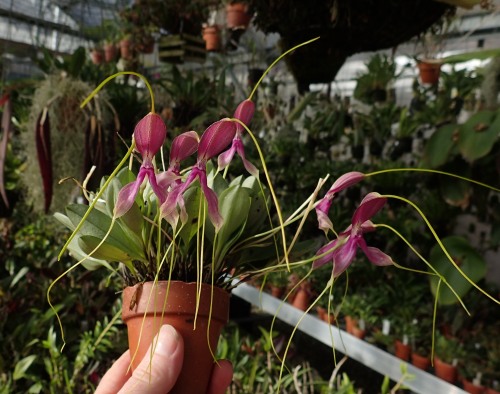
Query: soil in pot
x=145, y=310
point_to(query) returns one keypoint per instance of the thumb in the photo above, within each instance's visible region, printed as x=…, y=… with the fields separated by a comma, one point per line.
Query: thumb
x=158, y=373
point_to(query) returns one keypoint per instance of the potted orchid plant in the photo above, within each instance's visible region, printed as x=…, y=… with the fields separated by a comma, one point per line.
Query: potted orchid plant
x=183, y=235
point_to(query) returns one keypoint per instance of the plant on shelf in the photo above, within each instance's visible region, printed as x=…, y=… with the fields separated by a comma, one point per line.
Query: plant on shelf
x=277, y=283
x=472, y=370
x=187, y=229
x=361, y=310
x=449, y=352
x=492, y=371
x=371, y=86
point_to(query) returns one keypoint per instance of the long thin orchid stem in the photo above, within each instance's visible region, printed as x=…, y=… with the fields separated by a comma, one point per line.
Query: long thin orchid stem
x=96, y=198
x=276, y=61
x=427, y=170
x=101, y=85
x=441, y=245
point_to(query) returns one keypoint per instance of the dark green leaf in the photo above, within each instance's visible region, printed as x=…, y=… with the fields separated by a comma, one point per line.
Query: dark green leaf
x=439, y=146
x=478, y=135
x=469, y=261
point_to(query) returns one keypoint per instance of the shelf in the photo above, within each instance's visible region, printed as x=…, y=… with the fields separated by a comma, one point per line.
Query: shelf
x=357, y=349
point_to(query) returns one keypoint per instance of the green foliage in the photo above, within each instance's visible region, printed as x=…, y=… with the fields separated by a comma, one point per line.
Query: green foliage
x=448, y=349
x=30, y=358
x=380, y=71
x=469, y=261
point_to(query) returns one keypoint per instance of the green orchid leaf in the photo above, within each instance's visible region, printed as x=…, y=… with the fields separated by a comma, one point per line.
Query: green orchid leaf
x=258, y=212
x=438, y=148
x=478, y=135
x=90, y=263
x=469, y=261
x=216, y=182
x=192, y=199
x=234, y=206
x=97, y=225
x=105, y=251
x=64, y=220
x=237, y=181
x=465, y=57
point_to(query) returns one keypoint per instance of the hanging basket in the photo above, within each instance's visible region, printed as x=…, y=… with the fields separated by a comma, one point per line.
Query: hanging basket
x=347, y=28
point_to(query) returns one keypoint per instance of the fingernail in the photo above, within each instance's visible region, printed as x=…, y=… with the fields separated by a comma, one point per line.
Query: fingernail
x=168, y=340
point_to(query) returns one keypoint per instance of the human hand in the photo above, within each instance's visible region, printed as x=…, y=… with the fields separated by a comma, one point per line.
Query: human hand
x=159, y=374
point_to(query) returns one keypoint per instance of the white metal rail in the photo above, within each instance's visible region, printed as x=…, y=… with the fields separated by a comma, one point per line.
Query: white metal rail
x=357, y=349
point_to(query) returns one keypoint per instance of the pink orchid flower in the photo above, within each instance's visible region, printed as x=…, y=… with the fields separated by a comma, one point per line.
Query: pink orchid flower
x=215, y=139
x=183, y=146
x=149, y=135
x=244, y=112
x=323, y=207
x=342, y=250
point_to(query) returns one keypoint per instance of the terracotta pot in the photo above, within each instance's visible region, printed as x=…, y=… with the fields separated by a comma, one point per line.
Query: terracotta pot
x=472, y=388
x=445, y=371
x=110, y=52
x=350, y=323
x=321, y=312
x=144, y=308
x=401, y=350
x=329, y=318
x=97, y=56
x=237, y=16
x=429, y=72
x=211, y=35
x=302, y=299
x=126, y=49
x=421, y=362
x=358, y=332
x=277, y=291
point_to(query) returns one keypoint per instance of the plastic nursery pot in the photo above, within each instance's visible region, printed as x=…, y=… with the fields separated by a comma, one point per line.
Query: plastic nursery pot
x=445, y=371
x=145, y=310
x=421, y=362
x=401, y=350
x=429, y=72
x=472, y=388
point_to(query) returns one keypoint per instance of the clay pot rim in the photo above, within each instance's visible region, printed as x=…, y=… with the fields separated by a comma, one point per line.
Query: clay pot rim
x=218, y=311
